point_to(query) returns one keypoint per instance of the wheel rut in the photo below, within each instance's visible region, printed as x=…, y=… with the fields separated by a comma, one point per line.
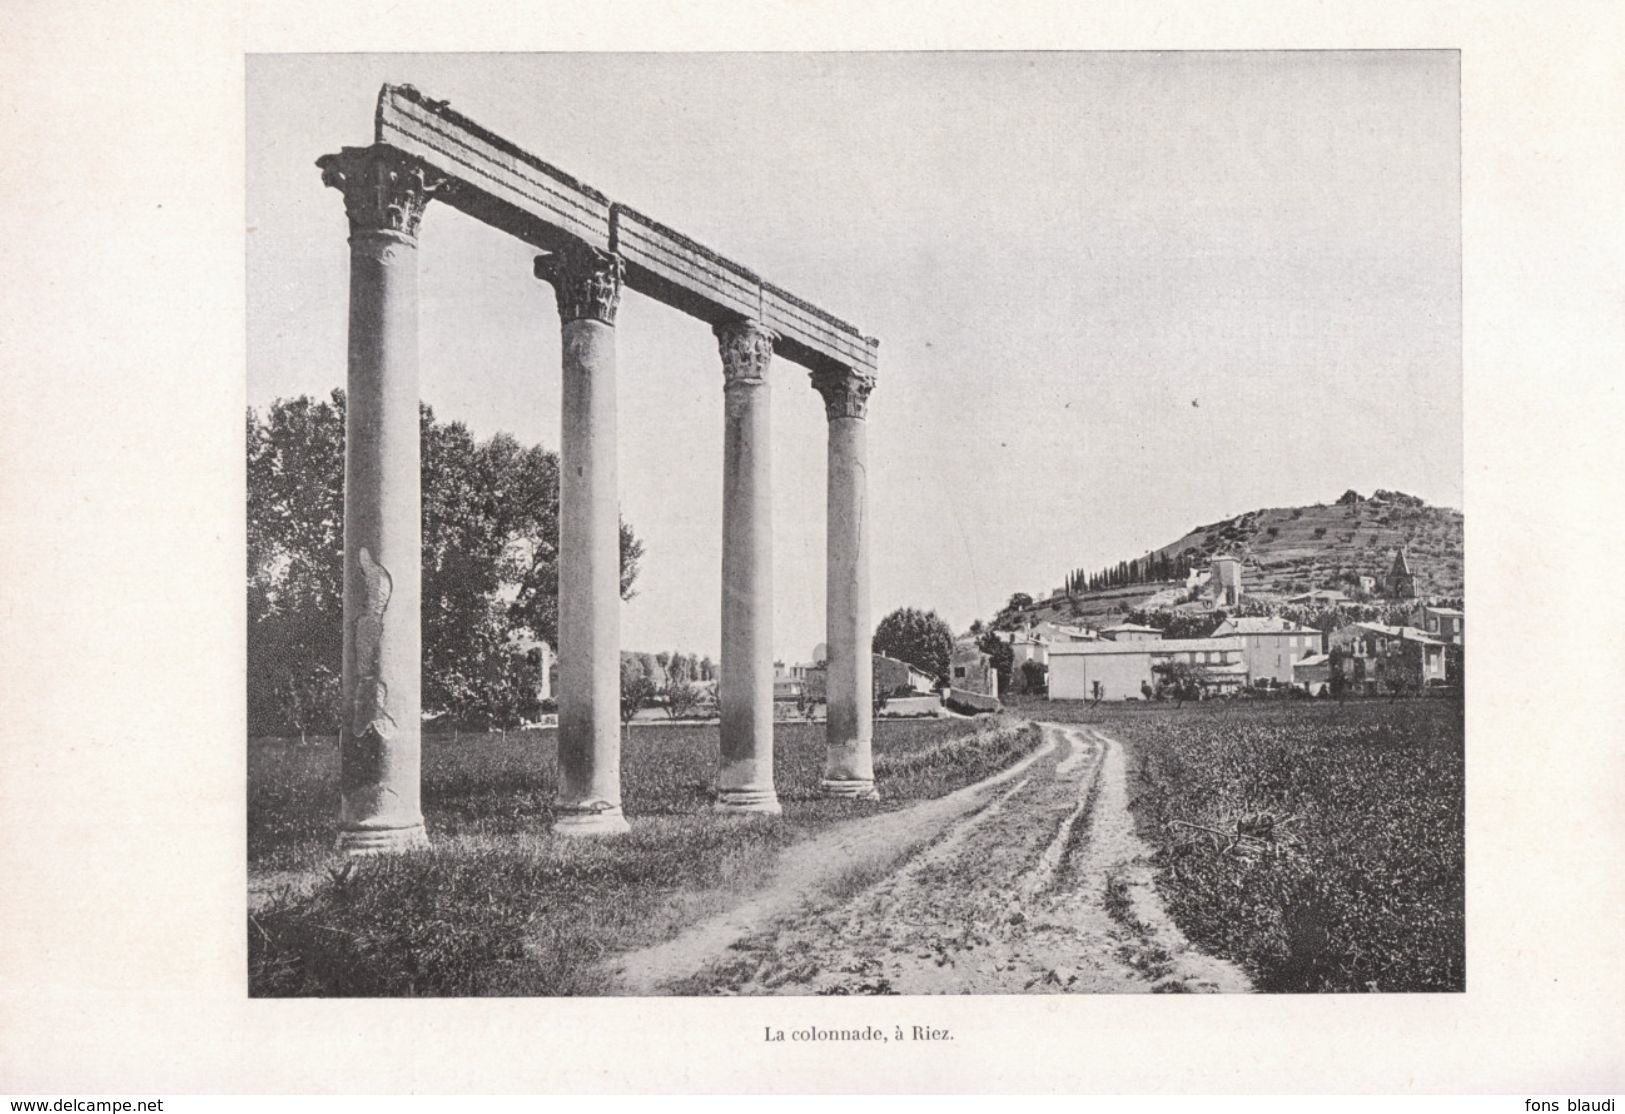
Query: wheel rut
x=1031, y=881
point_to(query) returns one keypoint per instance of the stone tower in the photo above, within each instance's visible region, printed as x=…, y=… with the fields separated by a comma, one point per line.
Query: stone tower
x=1401, y=581
x=1225, y=581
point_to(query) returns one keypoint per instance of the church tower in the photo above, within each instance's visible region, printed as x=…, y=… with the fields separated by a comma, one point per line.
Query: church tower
x=1401, y=581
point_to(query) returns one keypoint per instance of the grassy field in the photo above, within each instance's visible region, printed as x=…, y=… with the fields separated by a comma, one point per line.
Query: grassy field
x=1363, y=887
x=501, y=907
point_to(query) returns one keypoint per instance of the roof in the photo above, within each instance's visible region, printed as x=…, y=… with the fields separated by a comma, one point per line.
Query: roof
x=1402, y=564
x=904, y=664
x=1409, y=634
x=1452, y=612
x=1312, y=660
x=1321, y=594
x=1155, y=646
x=1260, y=624
x=1121, y=627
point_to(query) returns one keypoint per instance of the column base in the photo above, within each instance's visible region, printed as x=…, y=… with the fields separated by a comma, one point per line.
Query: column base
x=359, y=843
x=590, y=821
x=855, y=790
x=764, y=801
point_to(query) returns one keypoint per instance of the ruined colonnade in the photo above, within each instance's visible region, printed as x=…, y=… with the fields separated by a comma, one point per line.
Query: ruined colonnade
x=592, y=249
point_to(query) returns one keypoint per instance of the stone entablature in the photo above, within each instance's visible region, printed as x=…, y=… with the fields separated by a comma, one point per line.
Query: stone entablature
x=592, y=249
x=504, y=186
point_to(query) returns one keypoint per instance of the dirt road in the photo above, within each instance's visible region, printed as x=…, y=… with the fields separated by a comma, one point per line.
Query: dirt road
x=1030, y=881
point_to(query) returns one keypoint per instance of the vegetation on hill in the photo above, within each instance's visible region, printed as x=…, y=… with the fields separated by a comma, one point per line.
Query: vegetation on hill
x=1289, y=550
x=1284, y=551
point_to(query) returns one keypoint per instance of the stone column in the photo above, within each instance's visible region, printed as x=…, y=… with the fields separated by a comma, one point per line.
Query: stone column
x=588, y=285
x=745, y=689
x=849, y=674
x=379, y=738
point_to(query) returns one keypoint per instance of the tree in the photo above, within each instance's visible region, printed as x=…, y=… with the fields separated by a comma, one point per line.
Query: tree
x=1001, y=656
x=1035, y=675
x=1335, y=666
x=1181, y=679
x=919, y=638
x=637, y=688
x=490, y=577
x=678, y=671
x=681, y=697
x=1019, y=602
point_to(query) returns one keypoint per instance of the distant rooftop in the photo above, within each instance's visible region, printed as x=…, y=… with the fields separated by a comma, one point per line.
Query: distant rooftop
x=1155, y=646
x=1260, y=624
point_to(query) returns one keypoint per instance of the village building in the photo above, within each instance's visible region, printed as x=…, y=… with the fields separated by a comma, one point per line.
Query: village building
x=1126, y=669
x=1329, y=597
x=1130, y=632
x=1401, y=581
x=894, y=677
x=1313, y=674
x=971, y=671
x=1224, y=580
x=1374, y=657
x=789, y=690
x=1444, y=623
x=1051, y=631
x=1272, y=645
x=1025, y=647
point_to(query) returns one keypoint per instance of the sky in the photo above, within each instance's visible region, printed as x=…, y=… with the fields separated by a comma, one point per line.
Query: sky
x=1117, y=295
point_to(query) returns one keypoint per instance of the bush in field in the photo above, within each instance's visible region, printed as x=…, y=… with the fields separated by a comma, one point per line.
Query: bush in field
x=681, y=698
x=637, y=688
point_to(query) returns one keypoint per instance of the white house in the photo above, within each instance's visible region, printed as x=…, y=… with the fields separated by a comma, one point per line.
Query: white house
x=1119, y=668
x=1272, y=645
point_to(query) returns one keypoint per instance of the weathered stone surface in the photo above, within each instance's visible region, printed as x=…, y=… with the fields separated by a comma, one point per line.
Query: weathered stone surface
x=745, y=692
x=586, y=282
x=827, y=339
x=679, y=271
x=589, y=796
x=385, y=192
x=849, y=675
x=379, y=745
x=497, y=182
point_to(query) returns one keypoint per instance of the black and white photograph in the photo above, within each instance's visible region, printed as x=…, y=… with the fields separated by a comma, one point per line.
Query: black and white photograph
x=855, y=524
x=748, y=548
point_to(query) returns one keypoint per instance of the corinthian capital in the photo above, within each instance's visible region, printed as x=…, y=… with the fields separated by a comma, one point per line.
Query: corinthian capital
x=384, y=190
x=747, y=350
x=586, y=281
x=845, y=391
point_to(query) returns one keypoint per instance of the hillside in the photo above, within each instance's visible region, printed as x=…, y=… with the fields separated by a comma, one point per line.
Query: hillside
x=1288, y=550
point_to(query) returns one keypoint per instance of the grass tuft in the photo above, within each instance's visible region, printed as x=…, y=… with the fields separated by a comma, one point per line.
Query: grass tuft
x=501, y=907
